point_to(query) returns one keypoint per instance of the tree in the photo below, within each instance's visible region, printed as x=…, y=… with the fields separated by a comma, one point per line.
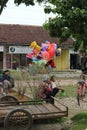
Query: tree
x=70, y=21
x=3, y=3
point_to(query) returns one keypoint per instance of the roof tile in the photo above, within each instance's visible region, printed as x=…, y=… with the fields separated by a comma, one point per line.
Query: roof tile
x=23, y=34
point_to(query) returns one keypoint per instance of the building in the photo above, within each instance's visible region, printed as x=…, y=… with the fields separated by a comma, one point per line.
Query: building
x=15, y=41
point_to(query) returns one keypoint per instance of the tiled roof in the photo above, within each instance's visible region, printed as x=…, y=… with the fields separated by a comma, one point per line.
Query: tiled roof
x=67, y=44
x=23, y=34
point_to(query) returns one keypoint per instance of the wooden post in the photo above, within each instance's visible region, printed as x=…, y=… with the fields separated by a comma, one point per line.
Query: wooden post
x=11, y=60
x=4, y=57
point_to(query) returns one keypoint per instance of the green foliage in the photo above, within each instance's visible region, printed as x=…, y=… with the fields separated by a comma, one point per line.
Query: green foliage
x=47, y=9
x=3, y=4
x=79, y=121
x=26, y=2
x=80, y=125
x=79, y=116
x=76, y=44
x=70, y=20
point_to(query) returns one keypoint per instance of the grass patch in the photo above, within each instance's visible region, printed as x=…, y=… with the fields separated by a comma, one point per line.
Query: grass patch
x=70, y=91
x=24, y=75
x=81, y=125
x=80, y=116
x=79, y=121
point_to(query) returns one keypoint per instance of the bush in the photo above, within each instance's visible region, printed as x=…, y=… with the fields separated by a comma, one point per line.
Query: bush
x=79, y=116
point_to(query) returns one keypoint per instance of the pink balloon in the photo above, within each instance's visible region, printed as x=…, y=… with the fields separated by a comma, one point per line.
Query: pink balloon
x=45, y=55
x=29, y=55
x=35, y=52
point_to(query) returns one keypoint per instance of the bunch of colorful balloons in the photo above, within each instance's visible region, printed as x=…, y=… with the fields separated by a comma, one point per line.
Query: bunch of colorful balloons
x=43, y=54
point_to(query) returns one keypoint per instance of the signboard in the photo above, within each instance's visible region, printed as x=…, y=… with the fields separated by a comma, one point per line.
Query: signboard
x=1, y=49
x=20, y=49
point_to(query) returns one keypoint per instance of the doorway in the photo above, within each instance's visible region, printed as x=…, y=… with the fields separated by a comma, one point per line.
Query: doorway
x=75, y=61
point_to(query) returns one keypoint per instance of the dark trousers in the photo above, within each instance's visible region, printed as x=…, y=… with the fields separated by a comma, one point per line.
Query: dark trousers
x=55, y=91
x=52, y=93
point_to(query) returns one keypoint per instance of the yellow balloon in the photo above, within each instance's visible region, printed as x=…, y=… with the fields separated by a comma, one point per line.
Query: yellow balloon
x=59, y=49
x=38, y=48
x=33, y=44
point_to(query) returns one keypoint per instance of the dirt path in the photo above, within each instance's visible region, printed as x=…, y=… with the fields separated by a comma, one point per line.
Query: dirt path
x=73, y=109
x=70, y=102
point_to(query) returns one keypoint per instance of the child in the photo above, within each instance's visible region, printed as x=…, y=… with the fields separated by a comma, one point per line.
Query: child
x=83, y=86
x=44, y=87
x=79, y=88
x=55, y=88
x=6, y=81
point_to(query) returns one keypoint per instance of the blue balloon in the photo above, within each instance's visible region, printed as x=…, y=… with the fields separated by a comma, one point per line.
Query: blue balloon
x=34, y=59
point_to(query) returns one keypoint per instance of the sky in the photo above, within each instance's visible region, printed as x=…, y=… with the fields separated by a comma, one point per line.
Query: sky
x=24, y=15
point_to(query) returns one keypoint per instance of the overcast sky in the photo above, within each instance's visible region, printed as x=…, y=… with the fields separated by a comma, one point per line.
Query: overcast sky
x=30, y=15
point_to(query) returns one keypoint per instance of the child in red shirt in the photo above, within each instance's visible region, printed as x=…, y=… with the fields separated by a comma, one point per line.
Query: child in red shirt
x=81, y=89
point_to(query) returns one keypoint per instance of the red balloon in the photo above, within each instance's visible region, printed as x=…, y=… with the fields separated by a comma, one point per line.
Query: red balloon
x=51, y=51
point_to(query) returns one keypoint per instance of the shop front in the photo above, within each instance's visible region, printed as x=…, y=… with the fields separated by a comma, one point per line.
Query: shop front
x=16, y=57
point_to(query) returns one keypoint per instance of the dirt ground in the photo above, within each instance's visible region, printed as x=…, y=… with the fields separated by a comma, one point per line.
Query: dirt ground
x=70, y=102
x=73, y=109
x=72, y=105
